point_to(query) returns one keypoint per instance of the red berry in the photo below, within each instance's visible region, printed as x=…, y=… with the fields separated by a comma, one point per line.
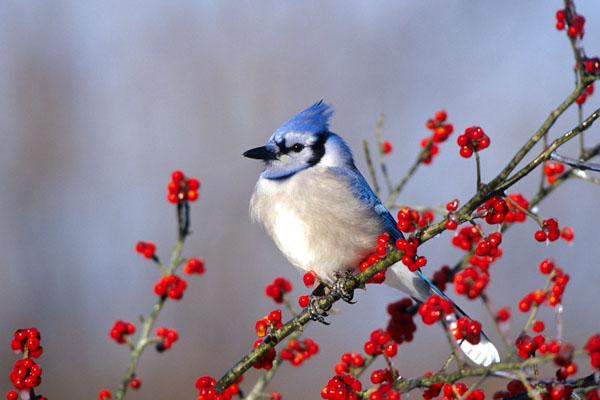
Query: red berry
x=466, y=151
x=540, y=236
x=309, y=279
x=177, y=176
x=303, y=301
x=135, y=382
x=12, y=395
x=386, y=147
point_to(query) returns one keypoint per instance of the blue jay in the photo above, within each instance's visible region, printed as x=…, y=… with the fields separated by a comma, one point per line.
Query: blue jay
x=322, y=214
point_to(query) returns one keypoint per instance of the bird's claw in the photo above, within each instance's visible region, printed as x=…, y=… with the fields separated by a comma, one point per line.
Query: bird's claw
x=339, y=287
x=315, y=311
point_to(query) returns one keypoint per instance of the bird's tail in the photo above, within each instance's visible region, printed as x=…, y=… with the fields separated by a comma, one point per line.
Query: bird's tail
x=483, y=353
x=420, y=288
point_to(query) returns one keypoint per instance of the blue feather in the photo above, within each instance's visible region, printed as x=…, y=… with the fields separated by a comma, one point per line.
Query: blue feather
x=315, y=119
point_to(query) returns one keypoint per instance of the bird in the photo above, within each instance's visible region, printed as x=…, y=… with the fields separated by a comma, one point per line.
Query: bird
x=323, y=215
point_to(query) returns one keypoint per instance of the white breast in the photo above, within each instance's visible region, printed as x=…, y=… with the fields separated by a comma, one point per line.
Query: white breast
x=316, y=221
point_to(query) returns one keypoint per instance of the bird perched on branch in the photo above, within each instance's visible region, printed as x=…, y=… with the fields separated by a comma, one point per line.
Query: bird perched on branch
x=324, y=217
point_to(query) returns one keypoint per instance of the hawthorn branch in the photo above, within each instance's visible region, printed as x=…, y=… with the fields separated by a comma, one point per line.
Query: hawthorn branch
x=297, y=323
x=183, y=219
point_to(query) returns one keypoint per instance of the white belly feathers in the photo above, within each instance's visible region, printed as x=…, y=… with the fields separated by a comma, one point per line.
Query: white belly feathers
x=316, y=221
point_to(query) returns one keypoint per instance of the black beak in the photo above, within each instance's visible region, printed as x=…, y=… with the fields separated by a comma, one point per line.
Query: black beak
x=261, y=153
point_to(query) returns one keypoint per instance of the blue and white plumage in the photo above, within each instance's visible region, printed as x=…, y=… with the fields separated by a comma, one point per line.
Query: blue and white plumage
x=321, y=212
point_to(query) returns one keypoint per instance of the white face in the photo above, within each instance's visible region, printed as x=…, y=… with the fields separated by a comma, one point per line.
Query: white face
x=294, y=152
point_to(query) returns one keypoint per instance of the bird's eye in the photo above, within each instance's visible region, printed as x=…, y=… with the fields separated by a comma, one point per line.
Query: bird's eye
x=297, y=147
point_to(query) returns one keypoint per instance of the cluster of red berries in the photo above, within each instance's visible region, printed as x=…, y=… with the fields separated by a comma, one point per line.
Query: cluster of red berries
x=589, y=90
x=341, y=387
x=489, y=246
x=564, y=359
x=471, y=282
x=466, y=237
x=557, y=392
x=435, y=308
x=348, y=361
x=554, y=296
x=433, y=150
x=410, y=259
x=592, y=346
x=441, y=277
x=495, y=209
x=121, y=329
x=483, y=263
x=309, y=278
x=271, y=321
x=380, y=252
x=409, y=220
x=451, y=222
x=298, y=351
x=266, y=361
x=513, y=388
x=26, y=374
x=182, y=189
x=441, y=130
x=515, y=214
x=552, y=170
x=278, y=289
x=468, y=330
x=386, y=147
x=168, y=336
x=385, y=379
x=549, y=231
x=27, y=340
x=474, y=139
x=574, y=22
x=527, y=346
x=381, y=342
x=194, y=266
x=147, y=249
x=205, y=384
x=401, y=326
x=433, y=390
x=449, y=390
x=170, y=285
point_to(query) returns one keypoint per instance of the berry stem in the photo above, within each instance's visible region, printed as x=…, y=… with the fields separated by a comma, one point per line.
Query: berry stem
x=531, y=215
x=379, y=138
x=147, y=323
x=398, y=188
x=388, y=361
x=454, y=348
x=478, y=167
x=358, y=371
x=577, y=164
x=488, y=307
x=371, y=168
x=533, y=394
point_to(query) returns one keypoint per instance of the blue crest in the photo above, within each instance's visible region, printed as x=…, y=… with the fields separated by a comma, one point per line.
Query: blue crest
x=314, y=119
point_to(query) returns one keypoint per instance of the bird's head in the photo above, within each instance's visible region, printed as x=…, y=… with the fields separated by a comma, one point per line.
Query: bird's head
x=302, y=142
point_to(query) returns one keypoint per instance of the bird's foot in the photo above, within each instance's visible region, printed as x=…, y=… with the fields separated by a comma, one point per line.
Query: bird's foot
x=339, y=287
x=315, y=311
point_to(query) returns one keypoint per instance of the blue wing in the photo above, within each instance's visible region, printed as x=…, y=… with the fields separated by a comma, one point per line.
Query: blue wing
x=365, y=194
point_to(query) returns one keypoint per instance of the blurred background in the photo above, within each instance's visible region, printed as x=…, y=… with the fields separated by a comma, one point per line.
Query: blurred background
x=100, y=101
